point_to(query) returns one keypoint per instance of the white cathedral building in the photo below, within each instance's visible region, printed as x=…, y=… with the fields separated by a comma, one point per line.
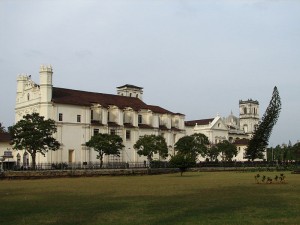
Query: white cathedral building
x=81, y=114
x=236, y=130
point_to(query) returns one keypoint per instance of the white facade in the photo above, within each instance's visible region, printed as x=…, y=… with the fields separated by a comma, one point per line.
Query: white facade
x=80, y=114
x=249, y=115
x=235, y=130
x=215, y=129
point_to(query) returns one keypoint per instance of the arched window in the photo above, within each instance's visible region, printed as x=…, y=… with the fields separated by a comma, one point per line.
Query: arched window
x=28, y=96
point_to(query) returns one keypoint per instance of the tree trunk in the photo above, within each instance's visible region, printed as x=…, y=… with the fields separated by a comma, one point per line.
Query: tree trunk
x=149, y=158
x=101, y=161
x=33, y=157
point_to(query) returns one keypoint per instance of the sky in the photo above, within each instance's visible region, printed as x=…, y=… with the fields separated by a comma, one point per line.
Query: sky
x=196, y=57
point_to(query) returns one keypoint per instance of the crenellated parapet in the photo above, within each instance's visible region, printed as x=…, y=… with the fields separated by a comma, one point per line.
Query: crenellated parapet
x=46, y=68
x=249, y=101
x=23, y=77
x=24, y=83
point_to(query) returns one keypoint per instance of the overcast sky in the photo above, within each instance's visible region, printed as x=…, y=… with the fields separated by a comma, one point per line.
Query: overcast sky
x=196, y=57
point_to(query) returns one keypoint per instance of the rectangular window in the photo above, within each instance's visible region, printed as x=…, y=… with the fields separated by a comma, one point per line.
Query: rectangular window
x=92, y=115
x=60, y=117
x=71, y=156
x=96, y=131
x=112, y=132
x=108, y=117
x=78, y=118
x=140, y=119
x=127, y=134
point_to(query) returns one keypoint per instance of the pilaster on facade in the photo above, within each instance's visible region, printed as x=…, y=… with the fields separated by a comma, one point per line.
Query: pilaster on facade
x=80, y=114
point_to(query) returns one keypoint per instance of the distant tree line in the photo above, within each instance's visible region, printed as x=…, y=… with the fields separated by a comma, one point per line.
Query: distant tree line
x=284, y=153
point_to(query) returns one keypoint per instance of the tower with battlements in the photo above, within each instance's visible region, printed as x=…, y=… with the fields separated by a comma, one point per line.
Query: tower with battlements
x=249, y=115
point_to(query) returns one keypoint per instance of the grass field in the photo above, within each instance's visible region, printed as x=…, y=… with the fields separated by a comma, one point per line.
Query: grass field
x=195, y=198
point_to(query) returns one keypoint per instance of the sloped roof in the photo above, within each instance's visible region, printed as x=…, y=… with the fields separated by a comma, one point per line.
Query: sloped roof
x=128, y=125
x=192, y=123
x=158, y=109
x=84, y=98
x=163, y=127
x=176, y=129
x=130, y=86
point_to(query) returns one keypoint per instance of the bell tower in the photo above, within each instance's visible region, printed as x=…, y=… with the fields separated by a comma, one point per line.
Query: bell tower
x=249, y=115
x=46, y=73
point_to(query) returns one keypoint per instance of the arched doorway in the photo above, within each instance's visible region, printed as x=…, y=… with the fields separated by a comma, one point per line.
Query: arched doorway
x=25, y=160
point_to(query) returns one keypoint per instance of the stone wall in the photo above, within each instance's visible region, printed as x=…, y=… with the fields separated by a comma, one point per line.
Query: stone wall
x=83, y=173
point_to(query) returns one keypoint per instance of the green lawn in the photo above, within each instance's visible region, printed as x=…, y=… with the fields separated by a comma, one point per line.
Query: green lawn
x=195, y=198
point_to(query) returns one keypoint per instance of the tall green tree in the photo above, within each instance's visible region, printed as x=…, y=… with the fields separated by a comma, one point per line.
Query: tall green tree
x=227, y=149
x=34, y=134
x=193, y=145
x=182, y=161
x=296, y=151
x=188, y=148
x=148, y=145
x=213, y=153
x=260, y=139
x=105, y=144
x=277, y=153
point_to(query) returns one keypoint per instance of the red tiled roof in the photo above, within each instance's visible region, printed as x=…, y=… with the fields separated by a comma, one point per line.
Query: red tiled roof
x=113, y=124
x=158, y=109
x=163, y=127
x=84, y=98
x=179, y=114
x=128, y=125
x=75, y=97
x=130, y=86
x=175, y=129
x=5, y=137
x=198, y=122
